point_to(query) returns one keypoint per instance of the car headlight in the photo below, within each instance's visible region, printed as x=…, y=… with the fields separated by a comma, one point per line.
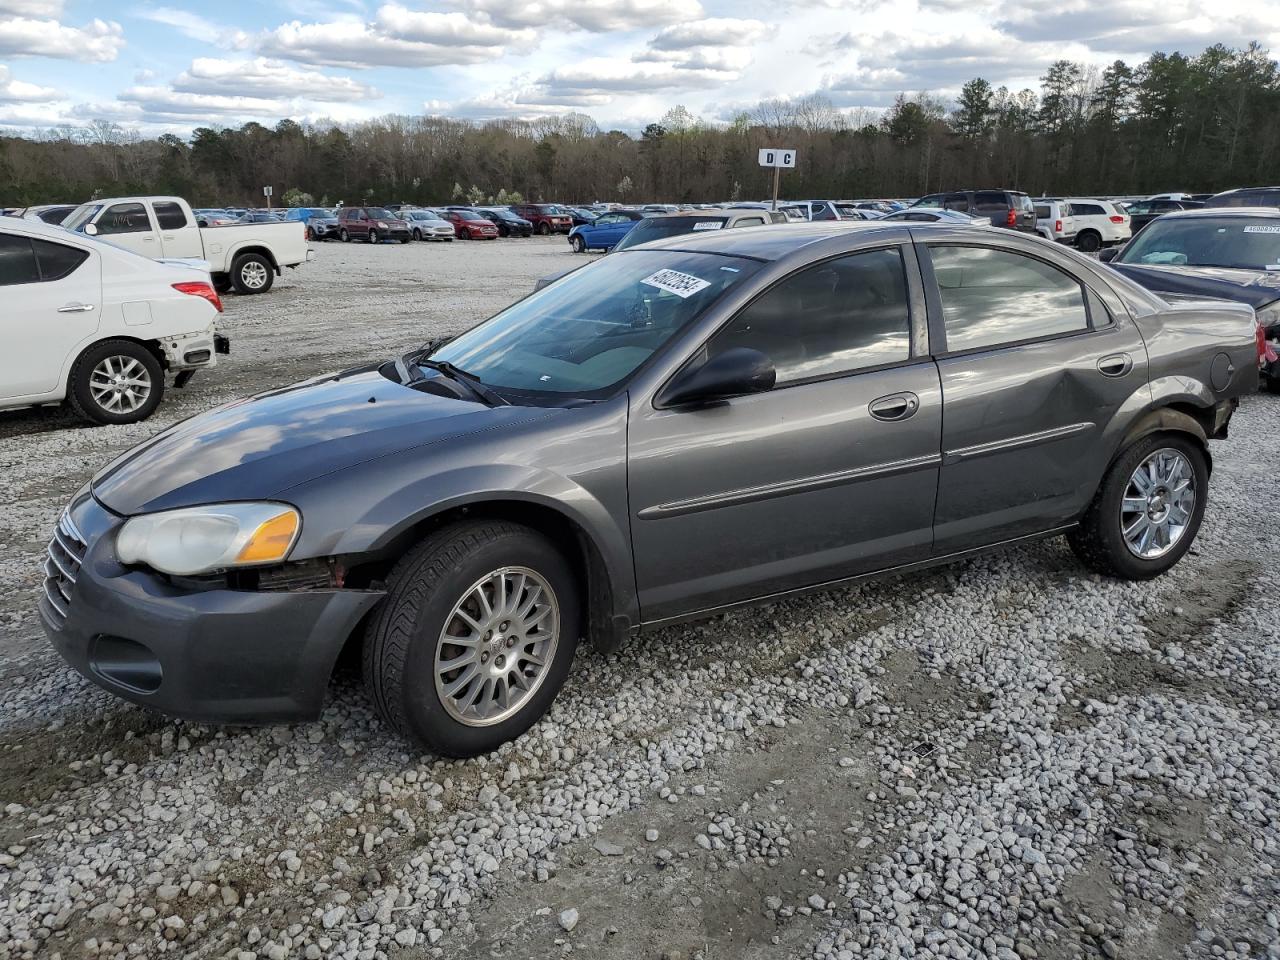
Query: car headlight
x=203, y=539
x=382, y=224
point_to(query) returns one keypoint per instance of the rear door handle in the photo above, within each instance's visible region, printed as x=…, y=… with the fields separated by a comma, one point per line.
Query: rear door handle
x=1116, y=365
x=76, y=308
x=896, y=406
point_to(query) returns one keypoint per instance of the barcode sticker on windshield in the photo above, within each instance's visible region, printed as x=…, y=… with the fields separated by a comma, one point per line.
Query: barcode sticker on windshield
x=1262, y=229
x=708, y=225
x=673, y=281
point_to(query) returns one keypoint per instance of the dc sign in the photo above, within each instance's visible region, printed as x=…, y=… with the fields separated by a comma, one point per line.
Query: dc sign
x=777, y=157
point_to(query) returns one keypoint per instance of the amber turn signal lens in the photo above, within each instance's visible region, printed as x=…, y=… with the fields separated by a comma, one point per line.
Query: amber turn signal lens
x=271, y=541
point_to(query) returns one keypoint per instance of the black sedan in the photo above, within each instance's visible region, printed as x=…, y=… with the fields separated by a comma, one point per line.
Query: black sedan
x=509, y=224
x=1219, y=253
x=1143, y=212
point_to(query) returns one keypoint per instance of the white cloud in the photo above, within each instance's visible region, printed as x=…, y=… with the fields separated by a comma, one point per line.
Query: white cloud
x=396, y=37
x=600, y=77
x=16, y=91
x=193, y=25
x=98, y=41
x=712, y=32
x=261, y=77
x=31, y=8
x=598, y=16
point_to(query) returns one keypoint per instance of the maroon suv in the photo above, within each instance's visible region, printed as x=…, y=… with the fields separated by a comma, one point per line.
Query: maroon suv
x=372, y=224
x=545, y=217
x=469, y=225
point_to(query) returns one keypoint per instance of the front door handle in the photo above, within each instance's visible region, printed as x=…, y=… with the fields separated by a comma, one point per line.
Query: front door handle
x=76, y=308
x=896, y=406
x=1116, y=365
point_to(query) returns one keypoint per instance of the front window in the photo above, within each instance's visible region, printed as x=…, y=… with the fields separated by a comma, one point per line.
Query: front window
x=587, y=332
x=933, y=201
x=1243, y=242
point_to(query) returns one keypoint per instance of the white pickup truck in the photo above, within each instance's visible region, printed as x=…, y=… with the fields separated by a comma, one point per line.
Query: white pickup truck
x=246, y=257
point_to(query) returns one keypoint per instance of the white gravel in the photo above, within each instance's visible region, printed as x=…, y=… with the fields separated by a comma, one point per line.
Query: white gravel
x=1006, y=758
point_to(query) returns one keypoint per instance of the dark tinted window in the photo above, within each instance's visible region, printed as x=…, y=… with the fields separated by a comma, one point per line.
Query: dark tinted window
x=834, y=317
x=934, y=200
x=988, y=200
x=17, y=261
x=170, y=215
x=991, y=297
x=1087, y=210
x=1042, y=211
x=957, y=201
x=57, y=260
x=124, y=218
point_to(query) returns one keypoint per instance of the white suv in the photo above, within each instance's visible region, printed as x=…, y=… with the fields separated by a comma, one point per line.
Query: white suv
x=1097, y=223
x=1054, y=221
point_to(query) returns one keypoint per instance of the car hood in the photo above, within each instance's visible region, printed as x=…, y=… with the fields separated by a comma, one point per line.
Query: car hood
x=258, y=448
x=1254, y=287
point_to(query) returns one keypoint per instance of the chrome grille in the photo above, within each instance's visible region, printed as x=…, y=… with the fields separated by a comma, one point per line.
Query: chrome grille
x=61, y=566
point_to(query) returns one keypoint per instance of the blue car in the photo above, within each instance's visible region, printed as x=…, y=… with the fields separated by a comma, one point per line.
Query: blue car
x=607, y=230
x=320, y=221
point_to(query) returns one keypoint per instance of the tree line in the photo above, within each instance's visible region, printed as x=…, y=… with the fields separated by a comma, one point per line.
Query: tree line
x=1173, y=122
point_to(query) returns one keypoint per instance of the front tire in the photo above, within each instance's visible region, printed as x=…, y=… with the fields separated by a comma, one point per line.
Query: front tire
x=1270, y=383
x=417, y=234
x=373, y=236
x=252, y=273
x=116, y=381
x=1148, y=509
x=344, y=236
x=544, y=230
x=579, y=245
x=474, y=639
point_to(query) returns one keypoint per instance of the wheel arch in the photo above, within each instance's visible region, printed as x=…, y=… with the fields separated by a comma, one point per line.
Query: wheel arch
x=1177, y=416
x=237, y=252
x=151, y=346
x=603, y=624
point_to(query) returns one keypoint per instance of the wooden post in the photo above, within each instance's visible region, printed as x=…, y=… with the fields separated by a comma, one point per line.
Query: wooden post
x=777, y=173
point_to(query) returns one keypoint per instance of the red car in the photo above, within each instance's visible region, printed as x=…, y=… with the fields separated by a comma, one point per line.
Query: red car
x=469, y=225
x=545, y=217
x=371, y=224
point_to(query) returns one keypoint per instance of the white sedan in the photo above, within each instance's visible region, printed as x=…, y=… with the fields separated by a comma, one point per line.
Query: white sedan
x=96, y=326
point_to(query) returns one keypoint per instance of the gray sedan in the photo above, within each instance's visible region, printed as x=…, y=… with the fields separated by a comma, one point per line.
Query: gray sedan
x=672, y=431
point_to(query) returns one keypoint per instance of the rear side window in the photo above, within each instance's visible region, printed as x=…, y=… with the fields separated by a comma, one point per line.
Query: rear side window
x=170, y=215
x=989, y=200
x=958, y=201
x=17, y=261
x=991, y=297
x=124, y=218
x=1087, y=210
x=931, y=201
x=831, y=318
x=57, y=260
x=1042, y=211
x=750, y=222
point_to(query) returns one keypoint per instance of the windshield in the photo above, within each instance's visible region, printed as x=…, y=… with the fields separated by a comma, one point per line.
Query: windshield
x=934, y=201
x=81, y=215
x=587, y=332
x=658, y=227
x=380, y=213
x=471, y=215
x=1243, y=242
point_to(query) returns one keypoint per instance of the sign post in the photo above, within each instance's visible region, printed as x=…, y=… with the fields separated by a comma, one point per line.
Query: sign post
x=777, y=157
x=266, y=192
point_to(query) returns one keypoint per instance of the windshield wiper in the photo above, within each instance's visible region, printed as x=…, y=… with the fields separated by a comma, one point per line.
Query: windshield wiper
x=468, y=380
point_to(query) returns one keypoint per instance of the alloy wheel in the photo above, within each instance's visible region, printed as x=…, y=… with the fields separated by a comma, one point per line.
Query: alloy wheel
x=253, y=274
x=120, y=384
x=1158, y=504
x=496, y=646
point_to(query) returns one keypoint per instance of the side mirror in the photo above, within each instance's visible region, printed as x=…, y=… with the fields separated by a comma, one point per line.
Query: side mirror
x=1109, y=254
x=734, y=373
x=91, y=229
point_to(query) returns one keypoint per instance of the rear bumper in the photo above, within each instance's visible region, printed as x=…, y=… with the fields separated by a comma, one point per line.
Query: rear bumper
x=216, y=655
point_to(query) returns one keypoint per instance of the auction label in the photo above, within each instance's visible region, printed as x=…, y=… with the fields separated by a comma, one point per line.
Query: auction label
x=708, y=225
x=683, y=285
x=1262, y=229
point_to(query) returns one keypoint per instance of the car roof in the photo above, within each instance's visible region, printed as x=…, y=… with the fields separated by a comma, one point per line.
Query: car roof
x=1268, y=213
x=774, y=241
x=39, y=228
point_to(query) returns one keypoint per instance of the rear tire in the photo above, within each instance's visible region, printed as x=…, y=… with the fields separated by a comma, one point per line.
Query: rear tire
x=252, y=273
x=434, y=593
x=91, y=389
x=1100, y=541
x=1088, y=242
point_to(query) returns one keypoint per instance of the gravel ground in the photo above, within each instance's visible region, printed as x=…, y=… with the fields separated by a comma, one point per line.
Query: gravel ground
x=1004, y=758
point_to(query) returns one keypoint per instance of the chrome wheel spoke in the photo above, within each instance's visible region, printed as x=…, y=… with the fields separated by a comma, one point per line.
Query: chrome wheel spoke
x=1158, y=504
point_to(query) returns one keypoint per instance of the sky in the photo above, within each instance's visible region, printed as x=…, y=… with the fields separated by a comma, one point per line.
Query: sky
x=173, y=65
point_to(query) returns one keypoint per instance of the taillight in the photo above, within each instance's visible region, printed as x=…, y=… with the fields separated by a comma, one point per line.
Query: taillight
x=198, y=289
x=1012, y=219
x=1057, y=226
x=1260, y=337
x=1116, y=219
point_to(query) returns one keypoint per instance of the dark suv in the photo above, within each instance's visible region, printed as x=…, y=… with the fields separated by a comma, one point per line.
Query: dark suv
x=1006, y=208
x=1246, y=197
x=546, y=217
x=373, y=224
